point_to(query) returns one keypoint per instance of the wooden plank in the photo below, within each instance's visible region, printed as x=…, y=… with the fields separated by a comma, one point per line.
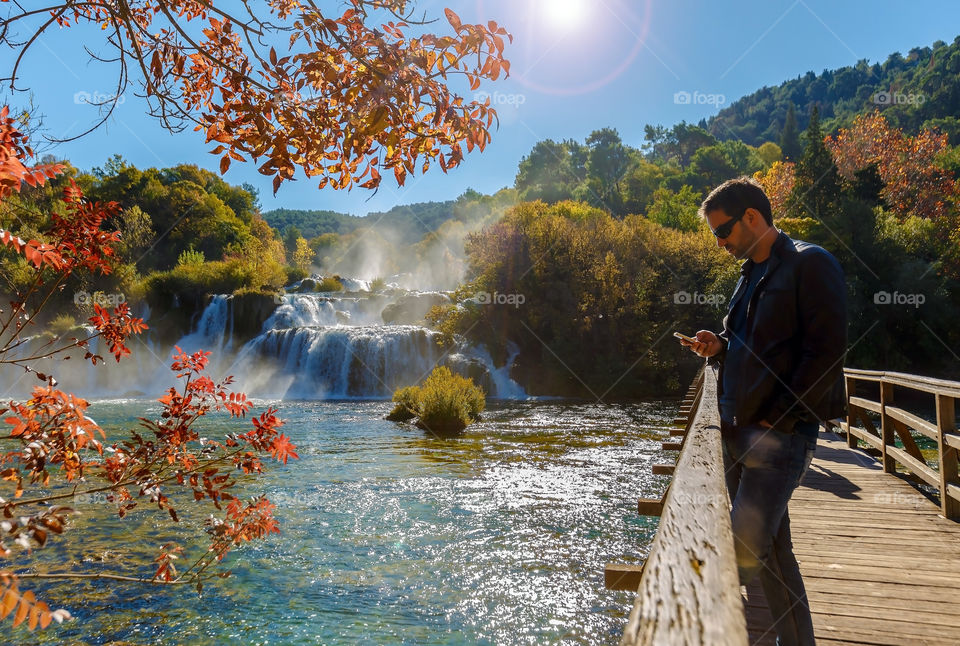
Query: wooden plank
x=678, y=431
x=851, y=572
x=622, y=576
x=916, y=466
x=952, y=440
x=886, y=428
x=868, y=591
x=689, y=593
x=915, y=422
x=915, y=610
x=650, y=506
x=867, y=437
x=909, y=444
x=868, y=404
x=672, y=446
x=908, y=632
x=925, y=384
x=948, y=478
x=663, y=469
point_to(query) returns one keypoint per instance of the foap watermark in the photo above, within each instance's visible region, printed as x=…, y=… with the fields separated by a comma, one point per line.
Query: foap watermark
x=899, y=498
x=92, y=498
x=293, y=499
x=898, y=98
x=682, y=97
x=97, y=98
x=83, y=299
x=496, y=298
x=501, y=98
x=897, y=298
x=696, y=298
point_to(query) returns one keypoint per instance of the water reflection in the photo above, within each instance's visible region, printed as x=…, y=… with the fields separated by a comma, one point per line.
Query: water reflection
x=391, y=535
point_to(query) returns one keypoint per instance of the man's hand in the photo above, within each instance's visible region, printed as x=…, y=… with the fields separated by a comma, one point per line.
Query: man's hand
x=707, y=344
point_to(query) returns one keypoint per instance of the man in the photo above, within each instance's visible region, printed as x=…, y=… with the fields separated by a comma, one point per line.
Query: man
x=781, y=372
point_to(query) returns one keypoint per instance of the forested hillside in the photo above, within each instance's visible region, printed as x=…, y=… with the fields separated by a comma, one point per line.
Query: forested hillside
x=918, y=90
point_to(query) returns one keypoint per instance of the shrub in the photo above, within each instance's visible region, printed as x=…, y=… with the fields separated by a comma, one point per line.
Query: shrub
x=62, y=323
x=190, y=257
x=446, y=403
x=377, y=284
x=407, y=404
x=294, y=274
x=330, y=284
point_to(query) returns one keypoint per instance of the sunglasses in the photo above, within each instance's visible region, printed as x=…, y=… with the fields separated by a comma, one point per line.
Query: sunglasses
x=724, y=229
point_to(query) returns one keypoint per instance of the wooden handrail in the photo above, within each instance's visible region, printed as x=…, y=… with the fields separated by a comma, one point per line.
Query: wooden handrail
x=895, y=421
x=689, y=591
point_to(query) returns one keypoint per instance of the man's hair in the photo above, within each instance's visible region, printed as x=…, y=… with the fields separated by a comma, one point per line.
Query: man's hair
x=735, y=196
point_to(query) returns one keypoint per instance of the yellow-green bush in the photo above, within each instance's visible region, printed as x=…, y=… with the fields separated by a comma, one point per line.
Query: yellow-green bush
x=407, y=407
x=444, y=403
x=329, y=284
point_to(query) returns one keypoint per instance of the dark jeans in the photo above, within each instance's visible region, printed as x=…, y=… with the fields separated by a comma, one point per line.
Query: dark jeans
x=763, y=466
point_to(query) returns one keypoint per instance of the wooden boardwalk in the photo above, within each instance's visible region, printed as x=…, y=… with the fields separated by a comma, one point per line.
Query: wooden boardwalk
x=881, y=566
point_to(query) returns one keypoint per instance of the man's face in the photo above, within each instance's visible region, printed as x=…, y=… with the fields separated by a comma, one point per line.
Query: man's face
x=740, y=241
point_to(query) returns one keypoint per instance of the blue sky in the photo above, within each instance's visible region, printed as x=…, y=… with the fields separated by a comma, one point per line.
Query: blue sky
x=577, y=65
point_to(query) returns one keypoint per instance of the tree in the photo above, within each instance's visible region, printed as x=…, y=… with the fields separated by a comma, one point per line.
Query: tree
x=53, y=451
x=790, y=137
x=548, y=172
x=817, y=186
x=675, y=210
x=303, y=255
x=290, y=236
x=607, y=163
x=913, y=179
x=346, y=99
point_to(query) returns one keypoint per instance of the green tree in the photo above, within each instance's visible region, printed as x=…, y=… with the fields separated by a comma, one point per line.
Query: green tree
x=676, y=210
x=818, y=187
x=790, y=137
x=607, y=163
x=290, y=236
x=551, y=171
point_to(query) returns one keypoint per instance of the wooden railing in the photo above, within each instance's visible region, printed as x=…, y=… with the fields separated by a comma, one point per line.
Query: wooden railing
x=896, y=422
x=689, y=592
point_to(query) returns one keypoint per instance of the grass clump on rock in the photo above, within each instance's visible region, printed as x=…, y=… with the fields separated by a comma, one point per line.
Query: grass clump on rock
x=445, y=403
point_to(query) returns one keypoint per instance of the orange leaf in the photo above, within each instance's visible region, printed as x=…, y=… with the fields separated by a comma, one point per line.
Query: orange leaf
x=453, y=18
x=22, y=610
x=10, y=599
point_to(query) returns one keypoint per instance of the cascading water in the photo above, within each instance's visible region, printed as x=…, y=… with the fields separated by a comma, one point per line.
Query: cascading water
x=336, y=346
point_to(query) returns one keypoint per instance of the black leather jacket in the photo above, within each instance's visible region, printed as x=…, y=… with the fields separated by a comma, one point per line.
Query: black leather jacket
x=796, y=338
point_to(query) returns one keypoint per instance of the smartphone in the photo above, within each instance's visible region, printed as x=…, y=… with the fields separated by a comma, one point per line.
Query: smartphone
x=684, y=337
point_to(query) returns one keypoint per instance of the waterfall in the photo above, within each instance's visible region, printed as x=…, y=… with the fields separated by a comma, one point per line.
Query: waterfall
x=311, y=346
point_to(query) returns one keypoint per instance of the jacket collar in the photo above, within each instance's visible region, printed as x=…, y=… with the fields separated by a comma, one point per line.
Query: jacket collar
x=781, y=246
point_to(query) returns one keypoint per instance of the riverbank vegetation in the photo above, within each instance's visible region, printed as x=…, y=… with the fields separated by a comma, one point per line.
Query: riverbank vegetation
x=443, y=404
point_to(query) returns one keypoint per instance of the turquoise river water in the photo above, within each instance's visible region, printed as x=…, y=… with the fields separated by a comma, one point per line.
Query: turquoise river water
x=391, y=536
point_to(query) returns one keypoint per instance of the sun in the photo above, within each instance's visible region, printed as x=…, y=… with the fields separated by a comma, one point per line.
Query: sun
x=564, y=14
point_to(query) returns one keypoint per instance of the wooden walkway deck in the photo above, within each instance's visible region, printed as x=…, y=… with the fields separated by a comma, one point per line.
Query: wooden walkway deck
x=881, y=566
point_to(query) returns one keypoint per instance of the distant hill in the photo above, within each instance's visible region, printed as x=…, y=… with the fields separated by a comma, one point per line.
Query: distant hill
x=312, y=223
x=413, y=221
x=921, y=89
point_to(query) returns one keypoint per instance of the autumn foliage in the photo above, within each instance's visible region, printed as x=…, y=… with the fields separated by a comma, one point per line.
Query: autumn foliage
x=295, y=86
x=53, y=451
x=913, y=180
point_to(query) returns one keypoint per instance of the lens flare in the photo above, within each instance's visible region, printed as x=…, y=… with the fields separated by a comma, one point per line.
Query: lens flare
x=564, y=14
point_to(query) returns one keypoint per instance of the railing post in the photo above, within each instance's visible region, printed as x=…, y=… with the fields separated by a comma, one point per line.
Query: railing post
x=886, y=427
x=851, y=389
x=946, y=423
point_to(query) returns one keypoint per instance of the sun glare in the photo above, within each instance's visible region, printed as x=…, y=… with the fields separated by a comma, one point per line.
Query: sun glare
x=564, y=14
